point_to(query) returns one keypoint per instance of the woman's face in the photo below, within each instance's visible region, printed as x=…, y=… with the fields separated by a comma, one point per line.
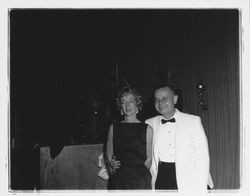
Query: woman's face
x=128, y=104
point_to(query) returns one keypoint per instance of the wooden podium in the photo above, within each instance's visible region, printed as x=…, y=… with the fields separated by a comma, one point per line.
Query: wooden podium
x=75, y=167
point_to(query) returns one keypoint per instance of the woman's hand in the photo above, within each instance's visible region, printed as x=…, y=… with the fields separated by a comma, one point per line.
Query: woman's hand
x=148, y=163
x=114, y=164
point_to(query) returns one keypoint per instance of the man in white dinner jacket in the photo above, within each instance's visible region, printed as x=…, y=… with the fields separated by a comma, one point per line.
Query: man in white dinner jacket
x=180, y=149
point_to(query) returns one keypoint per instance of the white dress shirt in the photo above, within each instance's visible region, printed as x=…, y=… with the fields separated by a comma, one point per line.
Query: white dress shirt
x=166, y=142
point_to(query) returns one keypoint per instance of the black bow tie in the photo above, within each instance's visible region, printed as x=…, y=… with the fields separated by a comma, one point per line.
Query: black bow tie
x=163, y=121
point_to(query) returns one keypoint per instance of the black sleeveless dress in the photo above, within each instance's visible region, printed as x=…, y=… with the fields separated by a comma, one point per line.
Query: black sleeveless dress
x=129, y=147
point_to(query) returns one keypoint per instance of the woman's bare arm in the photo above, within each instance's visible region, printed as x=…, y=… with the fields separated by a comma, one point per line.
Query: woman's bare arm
x=149, y=138
x=113, y=164
x=109, y=147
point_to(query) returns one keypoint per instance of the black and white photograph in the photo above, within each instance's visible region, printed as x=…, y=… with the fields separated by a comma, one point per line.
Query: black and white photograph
x=125, y=99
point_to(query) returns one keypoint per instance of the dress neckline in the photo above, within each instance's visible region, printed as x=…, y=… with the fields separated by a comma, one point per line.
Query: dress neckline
x=130, y=122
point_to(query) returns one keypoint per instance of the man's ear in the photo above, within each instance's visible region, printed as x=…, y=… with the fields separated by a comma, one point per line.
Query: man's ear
x=175, y=99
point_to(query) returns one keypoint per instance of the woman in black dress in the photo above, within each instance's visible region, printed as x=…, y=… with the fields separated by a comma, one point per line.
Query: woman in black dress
x=129, y=146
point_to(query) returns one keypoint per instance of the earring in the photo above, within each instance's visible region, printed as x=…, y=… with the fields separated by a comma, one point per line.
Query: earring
x=121, y=112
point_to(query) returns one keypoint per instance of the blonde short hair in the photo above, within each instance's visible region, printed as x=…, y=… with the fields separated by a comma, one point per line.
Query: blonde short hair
x=128, y=90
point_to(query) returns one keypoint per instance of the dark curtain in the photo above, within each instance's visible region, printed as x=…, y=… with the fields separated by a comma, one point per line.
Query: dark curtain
x=212, y=53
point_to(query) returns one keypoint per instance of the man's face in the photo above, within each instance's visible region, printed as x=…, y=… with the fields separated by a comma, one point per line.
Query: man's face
x=165, y=101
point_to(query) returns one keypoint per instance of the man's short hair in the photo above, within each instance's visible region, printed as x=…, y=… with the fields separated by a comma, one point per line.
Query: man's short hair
x=170, y=86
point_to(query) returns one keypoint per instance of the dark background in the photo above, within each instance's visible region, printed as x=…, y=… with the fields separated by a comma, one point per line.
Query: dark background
x=61, y=59
x=64, y=66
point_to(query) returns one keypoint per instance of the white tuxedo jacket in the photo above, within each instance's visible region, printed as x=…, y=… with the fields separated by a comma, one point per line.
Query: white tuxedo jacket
x=191, y=153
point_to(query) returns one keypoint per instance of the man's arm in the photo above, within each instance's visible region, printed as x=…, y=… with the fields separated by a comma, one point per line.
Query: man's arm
x=201, y=158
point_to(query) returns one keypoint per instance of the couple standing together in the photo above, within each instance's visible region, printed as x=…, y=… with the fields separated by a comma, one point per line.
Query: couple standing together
x=167, y=152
